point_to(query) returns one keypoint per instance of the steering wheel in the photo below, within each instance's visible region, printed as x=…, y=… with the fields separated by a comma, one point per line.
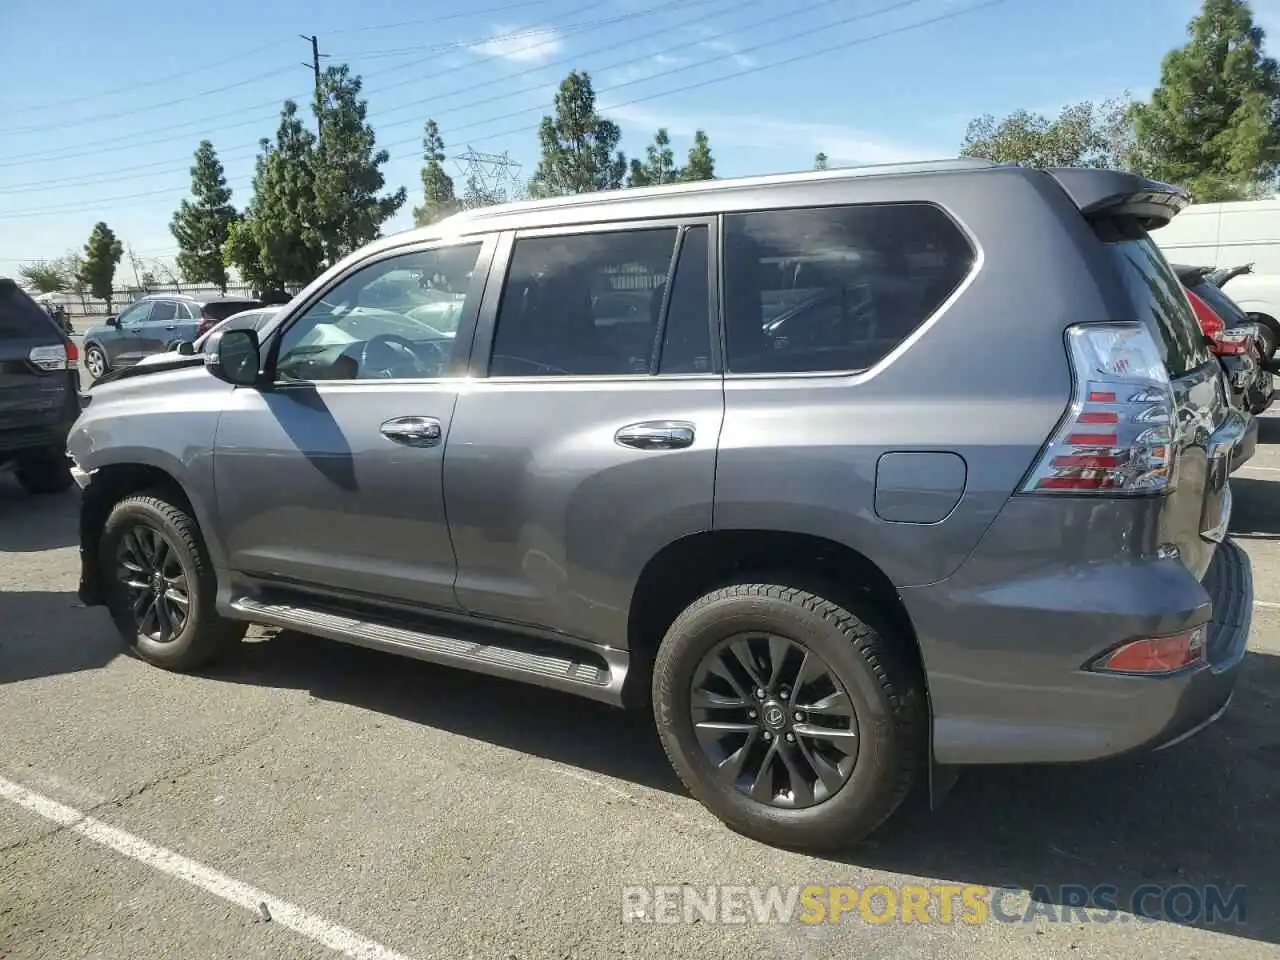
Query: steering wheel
x=537, y=367
x=396, y=351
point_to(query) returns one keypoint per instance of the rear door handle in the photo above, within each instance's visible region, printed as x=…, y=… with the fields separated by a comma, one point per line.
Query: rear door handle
x=656, y=435
x=413, y=431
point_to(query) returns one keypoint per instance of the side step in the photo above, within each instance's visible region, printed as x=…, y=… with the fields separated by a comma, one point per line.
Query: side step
x=597, y=674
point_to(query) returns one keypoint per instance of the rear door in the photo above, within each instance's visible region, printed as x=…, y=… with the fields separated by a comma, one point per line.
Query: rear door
x=29, y=396
x=588, y=440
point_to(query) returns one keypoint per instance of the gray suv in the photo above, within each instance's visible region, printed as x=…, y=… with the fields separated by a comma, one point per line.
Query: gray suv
x=854, y=477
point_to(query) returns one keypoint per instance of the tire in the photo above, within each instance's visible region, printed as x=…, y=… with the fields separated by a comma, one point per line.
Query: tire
x=95, y=361
x=881, y=685
x=202, y=635
x=44, y=475
x=1270, y=333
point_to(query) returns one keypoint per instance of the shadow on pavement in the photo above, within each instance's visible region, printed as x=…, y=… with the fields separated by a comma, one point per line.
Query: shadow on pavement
x=1202, y=813
x=1255, y=511
x=1269, y=429
x=46, y=633
x=29, y=524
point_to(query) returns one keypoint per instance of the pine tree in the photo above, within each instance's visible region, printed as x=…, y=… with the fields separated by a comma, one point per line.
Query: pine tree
x=101, y=257
x=1213, y=124
x=700, y=165
x=659, y=165
x=201, y=226
x=347, y=168
x=578, y=145
x=437, y=186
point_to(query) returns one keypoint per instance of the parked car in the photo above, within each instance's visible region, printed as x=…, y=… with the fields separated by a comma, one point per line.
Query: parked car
x=867, y=506
x=39, y=392
x=151, y=325
x=1237, y=342
x=245, y=320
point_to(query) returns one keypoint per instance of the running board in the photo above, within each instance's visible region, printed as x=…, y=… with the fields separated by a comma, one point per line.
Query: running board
x=597, y=674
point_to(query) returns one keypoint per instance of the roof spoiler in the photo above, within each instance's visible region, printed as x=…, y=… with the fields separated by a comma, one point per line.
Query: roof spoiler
x=1113, y=193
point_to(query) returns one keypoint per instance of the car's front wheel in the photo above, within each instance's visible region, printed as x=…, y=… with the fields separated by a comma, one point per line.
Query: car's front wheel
x=161, y=585
x=789, y=717
x=95, y=361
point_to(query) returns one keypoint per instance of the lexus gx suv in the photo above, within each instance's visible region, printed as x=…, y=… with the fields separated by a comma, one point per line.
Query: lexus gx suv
x=852, y=477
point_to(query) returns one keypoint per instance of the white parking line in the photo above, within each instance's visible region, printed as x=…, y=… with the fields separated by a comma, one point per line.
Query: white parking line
x=331, y=935
x=1266, y=603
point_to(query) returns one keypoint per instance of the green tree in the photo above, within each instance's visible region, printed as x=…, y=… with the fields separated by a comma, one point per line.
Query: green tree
x=101, y=257
x=72, y=263
x=700, y=165
x=201, y=225
x=437, y=186
x=659, y=165
x=820, y=161
x=45, y=277
x=347, y=168
x=1084, y=134
x=1213, y=123
x=281, y=240
x=578, y=145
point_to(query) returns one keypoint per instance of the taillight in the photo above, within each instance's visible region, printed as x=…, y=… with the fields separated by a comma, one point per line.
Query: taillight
x=1233, y=343
x=1155, y=655
x=55, y=357
x=1210, y=322
x=206, y=324
x=73, y=353
x=1117, y=435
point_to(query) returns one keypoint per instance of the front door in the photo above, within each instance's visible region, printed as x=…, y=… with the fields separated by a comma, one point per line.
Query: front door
x=588, y=440
x=124, y=344
x=329, y=481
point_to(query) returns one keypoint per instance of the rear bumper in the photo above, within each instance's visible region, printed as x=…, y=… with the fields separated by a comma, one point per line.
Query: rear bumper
x=40, y=438
x=1005, y=640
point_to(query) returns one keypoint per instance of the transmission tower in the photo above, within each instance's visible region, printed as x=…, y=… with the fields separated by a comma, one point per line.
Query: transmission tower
x=488, y=178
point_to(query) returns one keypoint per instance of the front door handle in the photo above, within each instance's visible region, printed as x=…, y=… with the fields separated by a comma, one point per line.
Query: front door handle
x=413, y=431
x=656, y=435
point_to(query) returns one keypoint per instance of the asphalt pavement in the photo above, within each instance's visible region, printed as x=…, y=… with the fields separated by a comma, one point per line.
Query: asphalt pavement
x=307, y=799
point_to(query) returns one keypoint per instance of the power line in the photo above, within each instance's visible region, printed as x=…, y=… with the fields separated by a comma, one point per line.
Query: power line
x=131, y=142
x=238, y=153
x=745, y=71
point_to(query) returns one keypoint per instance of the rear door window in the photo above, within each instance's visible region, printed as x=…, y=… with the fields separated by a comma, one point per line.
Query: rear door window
x=163, y=311
x=835, y=288
x=21, y=317
x=221, y=309
x=1159, y=301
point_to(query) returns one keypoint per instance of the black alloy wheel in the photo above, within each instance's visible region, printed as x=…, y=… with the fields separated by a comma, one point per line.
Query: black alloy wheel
x=155, y=581
x=774, y=720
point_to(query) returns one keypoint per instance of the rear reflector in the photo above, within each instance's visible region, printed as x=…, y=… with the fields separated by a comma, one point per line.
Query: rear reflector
x=1155, y=655
x=50, y=358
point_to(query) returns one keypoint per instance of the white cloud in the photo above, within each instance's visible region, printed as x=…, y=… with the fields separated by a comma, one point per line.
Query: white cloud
x=522, y=46
x=721, y=46
x=655, y=66
x=841, y=144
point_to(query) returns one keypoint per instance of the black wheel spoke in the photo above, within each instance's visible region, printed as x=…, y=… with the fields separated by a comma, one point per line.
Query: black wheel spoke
x=153, y=583
x=774, y=720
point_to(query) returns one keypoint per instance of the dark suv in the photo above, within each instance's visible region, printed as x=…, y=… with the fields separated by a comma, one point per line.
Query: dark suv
x=39, y=393
x=153, y=324
x=853, y=477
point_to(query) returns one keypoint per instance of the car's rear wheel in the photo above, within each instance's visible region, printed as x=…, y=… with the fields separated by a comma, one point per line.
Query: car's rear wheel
x=789, y=717
x=45, y=473
x=161, y=585
x=95, y=361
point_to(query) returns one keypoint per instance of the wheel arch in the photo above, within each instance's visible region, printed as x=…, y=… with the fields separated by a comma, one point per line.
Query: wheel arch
x=112, y=483
x=687, y=568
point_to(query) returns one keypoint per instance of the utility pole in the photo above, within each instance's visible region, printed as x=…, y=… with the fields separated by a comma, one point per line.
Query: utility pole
x=314, y=66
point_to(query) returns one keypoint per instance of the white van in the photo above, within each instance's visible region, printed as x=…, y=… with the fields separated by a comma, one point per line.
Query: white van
x=1231, y=235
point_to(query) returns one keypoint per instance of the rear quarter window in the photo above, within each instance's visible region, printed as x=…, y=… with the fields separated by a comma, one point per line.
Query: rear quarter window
x=835, y=288
x=1157, y=297
x=20, y=316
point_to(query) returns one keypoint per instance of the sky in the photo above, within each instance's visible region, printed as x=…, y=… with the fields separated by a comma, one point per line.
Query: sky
x=103, y=105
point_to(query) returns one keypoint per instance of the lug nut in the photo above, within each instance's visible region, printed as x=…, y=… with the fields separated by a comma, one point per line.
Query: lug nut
x=768, y=735
x=791, y=738
x=751, y=714
x=799, y=717
x=759, y=693
x=784, y=694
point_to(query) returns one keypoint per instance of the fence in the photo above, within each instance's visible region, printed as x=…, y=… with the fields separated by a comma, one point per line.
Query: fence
x=86, y=311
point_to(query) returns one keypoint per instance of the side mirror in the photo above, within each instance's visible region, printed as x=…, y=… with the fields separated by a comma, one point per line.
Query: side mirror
x=112, y=320
x=186, y=348
x=234, y=356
